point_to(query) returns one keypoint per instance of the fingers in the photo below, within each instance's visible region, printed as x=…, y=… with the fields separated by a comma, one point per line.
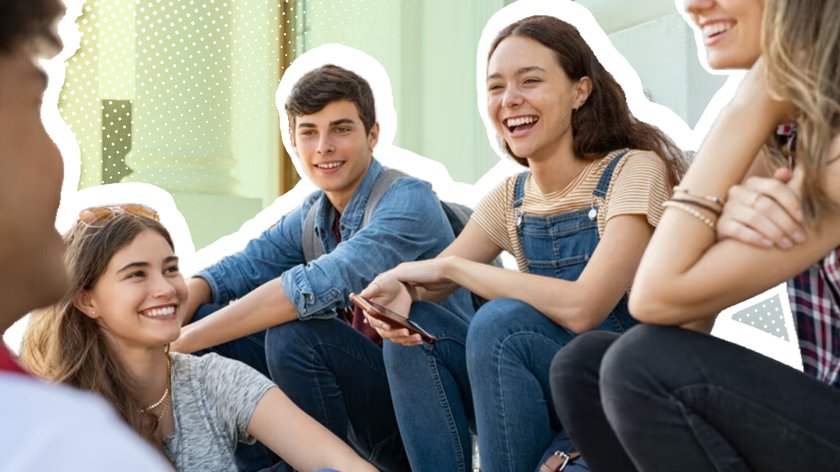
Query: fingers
x=398, y=336
x=371, y=291
x=778, y=192
x=783, y=174
x=763, y=212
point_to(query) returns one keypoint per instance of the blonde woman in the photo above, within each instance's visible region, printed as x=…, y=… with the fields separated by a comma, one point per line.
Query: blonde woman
x=676, y=399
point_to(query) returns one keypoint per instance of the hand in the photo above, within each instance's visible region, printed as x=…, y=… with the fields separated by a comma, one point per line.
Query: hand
x=388, y=291
x=181, y=344
x=764, y=212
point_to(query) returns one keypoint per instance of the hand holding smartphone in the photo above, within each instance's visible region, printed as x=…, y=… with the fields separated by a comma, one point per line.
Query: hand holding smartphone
x=391, y=317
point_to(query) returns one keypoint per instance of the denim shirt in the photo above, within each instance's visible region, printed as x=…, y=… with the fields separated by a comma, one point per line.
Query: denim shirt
x=408, y=225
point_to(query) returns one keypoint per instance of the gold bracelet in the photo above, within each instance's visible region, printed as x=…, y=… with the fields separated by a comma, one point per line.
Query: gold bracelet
x=691, y=211
x=709, y=198
x=706, y=205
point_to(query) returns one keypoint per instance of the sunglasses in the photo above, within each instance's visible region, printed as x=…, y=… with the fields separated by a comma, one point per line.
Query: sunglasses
x=100, y=215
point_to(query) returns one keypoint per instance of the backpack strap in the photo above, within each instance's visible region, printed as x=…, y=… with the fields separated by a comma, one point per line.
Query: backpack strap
x=313, y=247
x=380, y=186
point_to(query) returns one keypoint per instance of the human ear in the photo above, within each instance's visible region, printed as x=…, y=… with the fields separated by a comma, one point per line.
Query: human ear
x=373, y=136
x=583, y=88
x=83, y=301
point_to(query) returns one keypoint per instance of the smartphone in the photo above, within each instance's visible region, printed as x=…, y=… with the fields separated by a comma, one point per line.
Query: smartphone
x=391, y=317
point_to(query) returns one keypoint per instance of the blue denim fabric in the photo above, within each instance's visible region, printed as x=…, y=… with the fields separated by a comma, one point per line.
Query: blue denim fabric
x=337, y=376
x=510, y=344
x=408, y=225
x=431, y=391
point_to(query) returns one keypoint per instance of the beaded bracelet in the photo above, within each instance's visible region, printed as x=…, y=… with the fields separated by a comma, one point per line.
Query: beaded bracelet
x=699, y=204
x=709, y=198
x=691, y=211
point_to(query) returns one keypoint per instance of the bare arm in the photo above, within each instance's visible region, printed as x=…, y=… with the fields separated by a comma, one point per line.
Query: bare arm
x=685, y=275
x=472, y=244
x=199, y=294
x=300, y=440
x=578, y=305
x=261, y=309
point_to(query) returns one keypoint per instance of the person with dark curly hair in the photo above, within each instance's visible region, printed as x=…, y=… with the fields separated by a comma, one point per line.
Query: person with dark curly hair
x=43, y=427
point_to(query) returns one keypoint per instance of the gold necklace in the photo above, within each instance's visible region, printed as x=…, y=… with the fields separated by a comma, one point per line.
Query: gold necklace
x=165, y=392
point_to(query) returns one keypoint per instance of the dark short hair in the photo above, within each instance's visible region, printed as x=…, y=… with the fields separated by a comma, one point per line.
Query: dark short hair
x=326, y=84
x=24, y=22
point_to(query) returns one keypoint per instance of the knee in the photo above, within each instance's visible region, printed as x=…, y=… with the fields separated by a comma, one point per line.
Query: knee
x=579, y=363
x=289, y=341
x=490, y=319
x=492, y=328
x=639, y=359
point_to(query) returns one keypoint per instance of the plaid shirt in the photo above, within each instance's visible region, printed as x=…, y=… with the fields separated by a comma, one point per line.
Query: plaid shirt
x=815, y=302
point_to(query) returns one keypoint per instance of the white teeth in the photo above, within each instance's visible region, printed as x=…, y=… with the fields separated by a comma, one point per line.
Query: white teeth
x=521, y=120
x=713, y=29
x=328, y=165
x=160, y=312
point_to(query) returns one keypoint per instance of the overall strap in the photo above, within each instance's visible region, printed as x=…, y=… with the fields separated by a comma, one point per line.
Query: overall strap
x=313, y=247
x=380, y=186
x=518, y=198
x=519, y=189
x=604, y=183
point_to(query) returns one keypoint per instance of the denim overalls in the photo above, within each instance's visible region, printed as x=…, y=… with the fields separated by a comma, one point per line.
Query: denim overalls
x=560, y=246
x=510, y=344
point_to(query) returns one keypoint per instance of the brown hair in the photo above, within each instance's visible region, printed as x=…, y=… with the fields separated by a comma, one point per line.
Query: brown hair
x=326, y=84
x=62, y=344
x=604, y=122
x=801, y=44
x=28, y=22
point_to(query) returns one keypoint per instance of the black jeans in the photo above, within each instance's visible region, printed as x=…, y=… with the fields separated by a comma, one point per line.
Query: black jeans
x=668, y=399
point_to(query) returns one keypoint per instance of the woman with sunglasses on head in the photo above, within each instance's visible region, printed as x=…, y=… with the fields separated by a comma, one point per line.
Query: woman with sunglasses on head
x=110, y=335
x=670, y=398
x=577, y=222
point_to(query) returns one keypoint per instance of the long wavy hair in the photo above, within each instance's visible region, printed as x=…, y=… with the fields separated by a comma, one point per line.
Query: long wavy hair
x=801, y=45
x=604, y=122
x=62, y=344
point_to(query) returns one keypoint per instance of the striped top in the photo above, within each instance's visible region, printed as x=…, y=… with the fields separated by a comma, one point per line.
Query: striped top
x=639, y=186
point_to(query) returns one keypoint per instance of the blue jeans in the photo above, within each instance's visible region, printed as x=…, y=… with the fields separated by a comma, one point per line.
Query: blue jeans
x=431, y=392
x=510, y=346
x=337, y=376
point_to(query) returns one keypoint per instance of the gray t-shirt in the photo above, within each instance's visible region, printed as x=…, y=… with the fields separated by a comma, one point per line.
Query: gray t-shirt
x=213, y=398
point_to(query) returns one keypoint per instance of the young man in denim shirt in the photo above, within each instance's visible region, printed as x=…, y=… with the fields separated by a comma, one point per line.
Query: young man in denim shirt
x=315, y=348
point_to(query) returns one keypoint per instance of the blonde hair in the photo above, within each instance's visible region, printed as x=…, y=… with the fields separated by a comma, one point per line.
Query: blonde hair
x=801, y=44
x=62, y=344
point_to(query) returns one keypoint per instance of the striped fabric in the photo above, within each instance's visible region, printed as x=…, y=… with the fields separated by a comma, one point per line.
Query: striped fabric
x=639, y=186
x=815, y=302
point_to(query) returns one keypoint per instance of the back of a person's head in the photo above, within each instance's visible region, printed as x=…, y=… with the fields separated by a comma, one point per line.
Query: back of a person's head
x=801, y=43
x=28, y=23
x=30, y=251
x=329, y=83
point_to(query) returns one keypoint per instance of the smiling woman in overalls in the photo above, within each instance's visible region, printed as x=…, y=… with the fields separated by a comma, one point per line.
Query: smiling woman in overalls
x=577, y=222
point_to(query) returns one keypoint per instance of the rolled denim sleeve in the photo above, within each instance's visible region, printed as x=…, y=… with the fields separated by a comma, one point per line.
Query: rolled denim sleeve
x=274, y=252
x=408, y=224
